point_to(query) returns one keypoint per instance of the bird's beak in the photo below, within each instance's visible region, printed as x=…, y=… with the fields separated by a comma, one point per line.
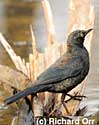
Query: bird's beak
x=88, y=31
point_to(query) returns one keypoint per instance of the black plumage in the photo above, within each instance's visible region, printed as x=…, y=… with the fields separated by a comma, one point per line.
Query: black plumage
x=66, y=73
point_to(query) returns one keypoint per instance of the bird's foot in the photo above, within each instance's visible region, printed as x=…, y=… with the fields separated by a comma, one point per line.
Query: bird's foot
x=58, y=106
x=75, y=97
x=64, y=103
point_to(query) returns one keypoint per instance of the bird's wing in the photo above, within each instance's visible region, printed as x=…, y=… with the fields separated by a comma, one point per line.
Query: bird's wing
x=62, y=69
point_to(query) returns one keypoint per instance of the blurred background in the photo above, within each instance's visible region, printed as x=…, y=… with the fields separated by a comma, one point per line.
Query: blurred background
x=15, y=19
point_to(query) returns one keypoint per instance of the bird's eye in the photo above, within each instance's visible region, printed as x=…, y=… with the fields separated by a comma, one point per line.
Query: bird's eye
x=81, y=35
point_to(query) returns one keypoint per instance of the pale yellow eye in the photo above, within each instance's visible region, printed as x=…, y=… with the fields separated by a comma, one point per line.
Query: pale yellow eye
x=81, y=35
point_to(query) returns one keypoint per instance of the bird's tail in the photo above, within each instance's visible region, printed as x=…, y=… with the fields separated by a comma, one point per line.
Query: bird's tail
x=28, y=91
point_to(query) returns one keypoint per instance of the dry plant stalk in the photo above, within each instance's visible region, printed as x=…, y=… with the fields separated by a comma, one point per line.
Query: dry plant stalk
x=81, y=16
x=49, y=22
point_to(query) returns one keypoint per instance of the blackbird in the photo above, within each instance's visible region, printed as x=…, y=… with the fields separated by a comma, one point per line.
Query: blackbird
x=65, y=74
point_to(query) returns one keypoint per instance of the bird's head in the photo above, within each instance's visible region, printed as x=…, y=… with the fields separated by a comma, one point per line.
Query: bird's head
x=77, y=37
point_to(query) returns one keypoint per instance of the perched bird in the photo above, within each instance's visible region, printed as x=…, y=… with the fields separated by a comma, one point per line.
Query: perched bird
x=65, y=74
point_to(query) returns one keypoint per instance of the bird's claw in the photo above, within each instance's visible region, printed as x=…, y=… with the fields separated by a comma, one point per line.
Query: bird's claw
x=75, y=97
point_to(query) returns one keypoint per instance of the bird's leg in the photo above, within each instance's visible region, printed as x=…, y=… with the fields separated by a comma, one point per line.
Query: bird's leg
x=75, y=97
x=63, y=102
